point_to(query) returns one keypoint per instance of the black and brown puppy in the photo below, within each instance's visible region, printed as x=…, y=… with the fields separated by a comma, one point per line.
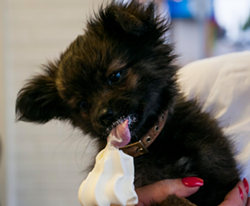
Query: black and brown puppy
x=122, y=67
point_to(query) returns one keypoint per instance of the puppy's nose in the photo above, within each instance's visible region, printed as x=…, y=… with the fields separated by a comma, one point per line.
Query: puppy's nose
x=106, y=117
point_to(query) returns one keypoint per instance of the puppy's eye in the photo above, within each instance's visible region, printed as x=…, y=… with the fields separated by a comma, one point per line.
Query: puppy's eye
x=114, y=77
x=84, y=106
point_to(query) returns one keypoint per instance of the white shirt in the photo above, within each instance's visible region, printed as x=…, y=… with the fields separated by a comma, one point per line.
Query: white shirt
x=222, y=85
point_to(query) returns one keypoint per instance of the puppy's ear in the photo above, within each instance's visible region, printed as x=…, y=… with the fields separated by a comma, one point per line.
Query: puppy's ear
x=130, y=23
x=39, y=101
x=136, y=18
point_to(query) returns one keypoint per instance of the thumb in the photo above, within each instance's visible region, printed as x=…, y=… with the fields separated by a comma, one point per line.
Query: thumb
x=157, y=192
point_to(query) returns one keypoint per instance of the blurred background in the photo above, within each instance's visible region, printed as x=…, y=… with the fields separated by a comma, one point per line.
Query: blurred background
x=44, y=165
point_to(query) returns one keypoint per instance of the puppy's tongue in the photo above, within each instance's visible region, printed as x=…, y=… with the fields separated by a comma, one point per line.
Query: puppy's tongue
x=120, y=135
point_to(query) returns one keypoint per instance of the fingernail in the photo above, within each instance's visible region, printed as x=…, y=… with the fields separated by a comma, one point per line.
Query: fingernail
x=192, y=181
x=246, y=185
x=241, y=193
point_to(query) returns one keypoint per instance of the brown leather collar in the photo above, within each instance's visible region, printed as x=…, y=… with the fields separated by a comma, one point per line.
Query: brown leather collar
x=140, y=147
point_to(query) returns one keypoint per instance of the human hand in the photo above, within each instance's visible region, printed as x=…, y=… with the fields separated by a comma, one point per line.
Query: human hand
x=158, y=191
x=238, y=195
x=185, y=187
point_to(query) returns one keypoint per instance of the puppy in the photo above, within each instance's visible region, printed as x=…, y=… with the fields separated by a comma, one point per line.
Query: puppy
x=122, y=68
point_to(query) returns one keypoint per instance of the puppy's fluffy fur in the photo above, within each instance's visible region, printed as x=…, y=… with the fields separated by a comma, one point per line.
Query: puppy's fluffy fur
x=122, y=66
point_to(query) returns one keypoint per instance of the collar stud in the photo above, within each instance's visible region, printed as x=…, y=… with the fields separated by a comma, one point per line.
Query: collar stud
x=156, y=128
x=162, y=117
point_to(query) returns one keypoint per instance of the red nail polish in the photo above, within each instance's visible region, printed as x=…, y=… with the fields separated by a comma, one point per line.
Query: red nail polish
x=246, y=185
x=192, y=181
x=241, y=193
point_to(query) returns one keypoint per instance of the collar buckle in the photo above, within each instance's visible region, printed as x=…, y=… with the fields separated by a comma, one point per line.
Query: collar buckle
x=136, y=148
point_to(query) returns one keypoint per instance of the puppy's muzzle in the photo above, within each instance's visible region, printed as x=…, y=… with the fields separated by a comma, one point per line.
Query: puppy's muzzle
x=106, y=117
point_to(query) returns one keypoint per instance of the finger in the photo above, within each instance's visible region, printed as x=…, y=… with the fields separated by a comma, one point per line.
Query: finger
x=236, y=197
x=158, y=191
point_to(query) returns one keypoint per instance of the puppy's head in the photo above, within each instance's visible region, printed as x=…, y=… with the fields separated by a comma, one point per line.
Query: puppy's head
x=121, y=67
